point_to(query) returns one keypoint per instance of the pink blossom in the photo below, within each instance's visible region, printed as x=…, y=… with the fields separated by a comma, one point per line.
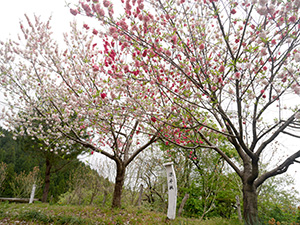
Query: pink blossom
x=95, y=68
x=213, y=88
x=86, y=8
x=297, y=57
x=146, y=19
x=292, y=19
x=95, y=32
x=168, y=53
x=106, y=3
x=98, y=10
x=222, y=68
x=297, y=90
x=263, y=52
x=193, y=59
x=237, y=75
x=233, y=11
x=141, y=6
x=174, y=39
x=128, y=6
x=112, y=30
x=74, y=11
x=123, y=24
x=202, y=46
x=115, y=35
x=140, y=16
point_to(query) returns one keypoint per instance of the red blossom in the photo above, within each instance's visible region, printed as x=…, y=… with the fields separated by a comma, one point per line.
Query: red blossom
x=144, y=53
x=153, y=119
x=86, y=26
x=95, y=32
x=103, y=95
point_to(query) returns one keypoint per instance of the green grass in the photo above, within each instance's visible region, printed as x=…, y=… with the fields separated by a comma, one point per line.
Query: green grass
x=39, y=213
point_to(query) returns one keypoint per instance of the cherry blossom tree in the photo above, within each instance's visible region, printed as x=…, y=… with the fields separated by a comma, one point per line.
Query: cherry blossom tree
x=193, y=63
x=61, y=95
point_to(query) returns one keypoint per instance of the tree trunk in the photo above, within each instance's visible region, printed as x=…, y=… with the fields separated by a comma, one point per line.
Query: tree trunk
x=250, y=205
x=104, y=198
x=47, y=180
x=139, y=201
x=116, y=202
x=238, y=208
x=185, y=198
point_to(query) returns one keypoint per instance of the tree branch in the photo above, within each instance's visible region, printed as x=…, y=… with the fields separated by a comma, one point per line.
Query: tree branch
x=278, y=170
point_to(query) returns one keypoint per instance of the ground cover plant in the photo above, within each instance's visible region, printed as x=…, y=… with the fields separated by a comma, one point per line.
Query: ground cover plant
x=40, y=213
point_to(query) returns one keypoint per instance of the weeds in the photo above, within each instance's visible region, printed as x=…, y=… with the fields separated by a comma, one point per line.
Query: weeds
x=40, y=213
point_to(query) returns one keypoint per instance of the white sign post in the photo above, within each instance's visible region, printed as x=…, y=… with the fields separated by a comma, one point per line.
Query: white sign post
x=172, y=190
x=32, y=194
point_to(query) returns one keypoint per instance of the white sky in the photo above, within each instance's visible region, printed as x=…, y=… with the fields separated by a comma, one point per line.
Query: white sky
x=13, y=11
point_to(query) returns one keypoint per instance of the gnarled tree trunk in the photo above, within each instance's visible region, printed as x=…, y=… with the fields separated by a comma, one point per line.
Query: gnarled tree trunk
x=250, y=204
x=119, y=182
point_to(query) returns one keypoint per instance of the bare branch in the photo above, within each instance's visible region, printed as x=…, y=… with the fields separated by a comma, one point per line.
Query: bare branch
x=279, y=169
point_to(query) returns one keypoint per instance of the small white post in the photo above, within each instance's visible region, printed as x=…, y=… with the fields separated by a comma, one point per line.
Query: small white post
x=172, y=190
x=32, y=194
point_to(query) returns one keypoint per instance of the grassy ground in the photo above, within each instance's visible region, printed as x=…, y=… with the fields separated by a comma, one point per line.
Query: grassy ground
x=39, y=213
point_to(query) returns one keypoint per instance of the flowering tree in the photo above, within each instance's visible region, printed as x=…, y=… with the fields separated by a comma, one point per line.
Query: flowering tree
x=65, y=95
x=192, y=63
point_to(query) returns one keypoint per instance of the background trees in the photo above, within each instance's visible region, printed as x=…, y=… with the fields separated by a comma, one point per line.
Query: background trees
x=29, y=165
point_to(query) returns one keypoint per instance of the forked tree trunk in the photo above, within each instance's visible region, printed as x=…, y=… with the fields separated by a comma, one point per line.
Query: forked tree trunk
x=250, y=211
x=116, y=202
x=47, y=181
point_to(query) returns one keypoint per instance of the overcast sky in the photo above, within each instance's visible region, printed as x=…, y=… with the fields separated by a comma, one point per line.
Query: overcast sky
x=13, y=11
